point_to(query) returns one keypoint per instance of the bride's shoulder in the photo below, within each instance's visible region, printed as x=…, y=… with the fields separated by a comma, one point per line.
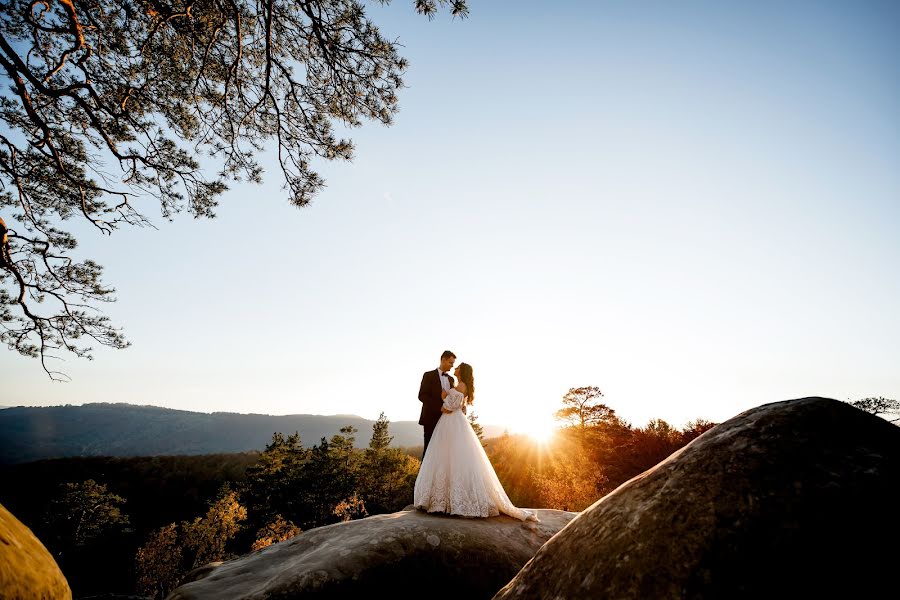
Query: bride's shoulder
x=461, y=387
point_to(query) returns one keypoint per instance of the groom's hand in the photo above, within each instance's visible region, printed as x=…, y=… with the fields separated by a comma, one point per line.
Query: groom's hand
x=446, y=411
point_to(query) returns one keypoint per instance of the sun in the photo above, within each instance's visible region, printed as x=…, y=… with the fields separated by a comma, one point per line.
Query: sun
x=540, y=430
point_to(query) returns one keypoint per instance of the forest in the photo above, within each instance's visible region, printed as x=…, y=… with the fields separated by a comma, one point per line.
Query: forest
x=139, y=524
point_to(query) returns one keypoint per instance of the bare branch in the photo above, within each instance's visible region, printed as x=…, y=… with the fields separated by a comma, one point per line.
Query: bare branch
x=111, y=102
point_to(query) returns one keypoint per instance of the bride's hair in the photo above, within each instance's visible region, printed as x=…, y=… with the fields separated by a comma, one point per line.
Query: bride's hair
x=465, y=375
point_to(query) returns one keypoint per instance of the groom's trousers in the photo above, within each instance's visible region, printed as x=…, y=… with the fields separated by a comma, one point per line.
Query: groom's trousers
x=428, y=432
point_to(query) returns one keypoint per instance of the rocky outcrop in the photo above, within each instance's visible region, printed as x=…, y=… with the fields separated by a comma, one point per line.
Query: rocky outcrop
x=409, y=554
x=27, y=569
x=792, y=499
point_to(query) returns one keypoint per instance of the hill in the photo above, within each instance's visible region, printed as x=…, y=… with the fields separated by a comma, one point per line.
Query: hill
x=107, y=429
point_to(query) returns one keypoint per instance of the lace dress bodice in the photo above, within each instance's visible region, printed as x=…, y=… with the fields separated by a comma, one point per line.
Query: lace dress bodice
x=455, y=400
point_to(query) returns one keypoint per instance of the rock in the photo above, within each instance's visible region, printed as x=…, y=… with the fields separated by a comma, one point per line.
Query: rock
x=408, y=554
x=114, y=596
x=27, y=569
x=791, y=499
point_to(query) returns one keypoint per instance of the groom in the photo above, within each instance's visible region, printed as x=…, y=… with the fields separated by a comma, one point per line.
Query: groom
x=433, y=382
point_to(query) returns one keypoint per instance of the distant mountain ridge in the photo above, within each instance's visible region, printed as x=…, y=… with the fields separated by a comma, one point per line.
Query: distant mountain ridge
x=30, y=433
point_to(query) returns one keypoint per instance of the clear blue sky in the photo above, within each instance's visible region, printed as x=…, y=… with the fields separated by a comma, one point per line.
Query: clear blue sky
x=692, y=205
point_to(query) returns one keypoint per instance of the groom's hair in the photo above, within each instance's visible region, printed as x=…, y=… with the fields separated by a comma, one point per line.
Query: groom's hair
x=447, y=354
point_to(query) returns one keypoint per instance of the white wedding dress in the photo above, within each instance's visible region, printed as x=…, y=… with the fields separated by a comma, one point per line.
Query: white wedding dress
x=456, y=476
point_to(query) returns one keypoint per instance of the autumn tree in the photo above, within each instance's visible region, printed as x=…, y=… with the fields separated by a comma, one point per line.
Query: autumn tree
x=207, y=537
x=517, y=460
x=109, y=105
x=641, y=448
x=654, y=443
x=158, y=563
x=570, y=483
x=174, y=550
x=350, y=508
x=276, y=530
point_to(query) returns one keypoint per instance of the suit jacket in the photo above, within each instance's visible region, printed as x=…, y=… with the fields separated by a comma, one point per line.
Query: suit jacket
x=430, y=397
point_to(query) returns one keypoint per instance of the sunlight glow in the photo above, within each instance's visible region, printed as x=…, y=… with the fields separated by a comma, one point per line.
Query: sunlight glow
x=540, y=430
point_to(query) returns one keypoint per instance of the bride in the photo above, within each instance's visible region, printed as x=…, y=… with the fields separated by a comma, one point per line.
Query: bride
x=456, y=476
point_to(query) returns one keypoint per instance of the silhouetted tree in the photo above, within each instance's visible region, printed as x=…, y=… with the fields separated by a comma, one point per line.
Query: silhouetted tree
x=343, y=453
x=109, y=103
x=640, y=450
x=86, y=529
x=694, y=429
x=81, y=514
x=272, y=487
x=476, y=426
x=608, y=452
x=886, y=408
x=582, y=408
x=380, y=438
x=328, y=477
x=387, y=476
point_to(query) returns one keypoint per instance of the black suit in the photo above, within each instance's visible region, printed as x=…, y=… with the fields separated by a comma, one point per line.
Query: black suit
x=430, y=397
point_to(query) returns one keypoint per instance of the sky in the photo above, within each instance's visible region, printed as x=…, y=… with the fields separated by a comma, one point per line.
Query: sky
x=692, y=206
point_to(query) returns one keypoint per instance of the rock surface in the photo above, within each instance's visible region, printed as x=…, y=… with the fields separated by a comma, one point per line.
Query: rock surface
x=27, y=569
x=790, y=499
x=408, y=554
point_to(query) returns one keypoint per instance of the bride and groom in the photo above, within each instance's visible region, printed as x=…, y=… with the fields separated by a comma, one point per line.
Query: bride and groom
x=456, y=476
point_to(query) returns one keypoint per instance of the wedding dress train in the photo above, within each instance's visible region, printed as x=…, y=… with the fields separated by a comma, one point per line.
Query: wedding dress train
x=456, y=476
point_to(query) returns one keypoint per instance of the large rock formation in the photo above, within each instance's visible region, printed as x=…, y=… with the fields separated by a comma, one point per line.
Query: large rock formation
x=792, y=499
x=409, y=554
x=27, y=569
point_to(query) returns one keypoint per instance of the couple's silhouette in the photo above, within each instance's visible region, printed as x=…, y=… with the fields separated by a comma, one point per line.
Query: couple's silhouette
x=456, y=477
